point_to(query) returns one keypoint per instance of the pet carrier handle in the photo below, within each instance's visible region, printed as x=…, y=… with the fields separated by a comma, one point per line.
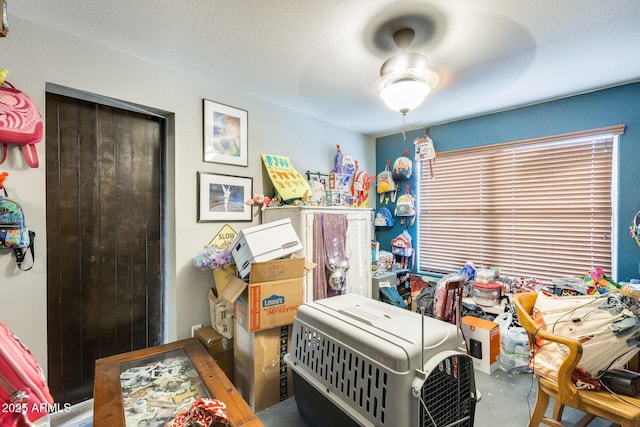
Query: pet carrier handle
x=416, y=385
x=458, y=304
x=422, y=339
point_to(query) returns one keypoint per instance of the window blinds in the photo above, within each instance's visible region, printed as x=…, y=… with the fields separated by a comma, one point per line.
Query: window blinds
x=537, y=208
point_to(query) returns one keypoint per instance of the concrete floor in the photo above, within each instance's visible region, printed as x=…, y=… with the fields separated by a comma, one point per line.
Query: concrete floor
x=506, y=401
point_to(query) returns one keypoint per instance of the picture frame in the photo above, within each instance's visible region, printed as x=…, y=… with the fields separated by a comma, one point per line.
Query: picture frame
x=4, y=28
x=222, y=197
x=225, y=134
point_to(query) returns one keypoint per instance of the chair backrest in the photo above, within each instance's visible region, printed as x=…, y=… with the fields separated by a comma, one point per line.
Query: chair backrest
x=567, y=392
x=525, y=302
x=454, y=287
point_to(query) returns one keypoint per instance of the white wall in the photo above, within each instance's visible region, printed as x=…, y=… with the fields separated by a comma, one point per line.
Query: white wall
x=37, y=55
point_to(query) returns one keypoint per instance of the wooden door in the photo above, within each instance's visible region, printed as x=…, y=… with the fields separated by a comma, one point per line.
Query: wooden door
x=105, y=230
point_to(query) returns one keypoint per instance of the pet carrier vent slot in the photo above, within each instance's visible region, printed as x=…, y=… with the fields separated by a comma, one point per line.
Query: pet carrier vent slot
x=349, y=374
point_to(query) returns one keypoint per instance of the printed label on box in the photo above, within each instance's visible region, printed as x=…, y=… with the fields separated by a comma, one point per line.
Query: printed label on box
x=483, y=343
x=272, y=301
x=268, y=303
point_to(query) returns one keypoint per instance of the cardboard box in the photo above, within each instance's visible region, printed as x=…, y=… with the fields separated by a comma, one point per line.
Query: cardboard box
x=483, y=343
x=221, y=307
x=222, y=276
x=264, y=242
x=219, y=347
x=272, y=297
x=261, y=376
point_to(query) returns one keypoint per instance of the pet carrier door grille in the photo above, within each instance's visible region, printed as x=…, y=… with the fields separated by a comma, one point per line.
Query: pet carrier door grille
x=448, y=394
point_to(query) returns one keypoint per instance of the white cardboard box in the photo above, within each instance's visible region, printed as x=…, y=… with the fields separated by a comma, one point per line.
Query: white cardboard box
x=264, y=242
x=483, y=343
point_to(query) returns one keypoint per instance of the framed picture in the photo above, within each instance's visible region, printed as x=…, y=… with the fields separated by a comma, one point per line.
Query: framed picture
x=225, y=134
x=4, y=29
x=222, y=197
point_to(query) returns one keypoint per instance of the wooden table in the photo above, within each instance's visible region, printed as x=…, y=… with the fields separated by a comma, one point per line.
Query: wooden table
x=108, y=399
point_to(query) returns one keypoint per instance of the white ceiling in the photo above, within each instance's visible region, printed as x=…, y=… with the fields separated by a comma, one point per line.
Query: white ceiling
x=321, y=57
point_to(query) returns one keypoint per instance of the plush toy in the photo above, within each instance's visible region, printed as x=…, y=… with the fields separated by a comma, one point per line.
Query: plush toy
x=3, y=75
x=203, y=412
x=3, y=176
x=600, y=281
x=596, y=273
x=338, y=276
x=260, y=200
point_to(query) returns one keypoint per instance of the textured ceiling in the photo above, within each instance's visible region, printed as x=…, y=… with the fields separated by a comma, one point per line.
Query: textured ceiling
x=321, y=57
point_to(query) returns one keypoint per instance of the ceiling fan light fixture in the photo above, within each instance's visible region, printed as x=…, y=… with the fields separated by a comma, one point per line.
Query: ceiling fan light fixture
x=407, y=62
x=405, y=79
x=405, y=95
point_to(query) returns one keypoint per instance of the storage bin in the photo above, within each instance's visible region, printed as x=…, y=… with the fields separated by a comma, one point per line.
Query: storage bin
x=487, y=295
x=514, y=350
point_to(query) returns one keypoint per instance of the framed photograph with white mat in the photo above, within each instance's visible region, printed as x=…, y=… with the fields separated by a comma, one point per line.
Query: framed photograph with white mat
x=222, y=197
x=225, y=134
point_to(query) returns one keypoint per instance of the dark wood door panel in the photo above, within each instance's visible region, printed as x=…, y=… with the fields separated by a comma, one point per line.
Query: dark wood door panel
x=104, y=233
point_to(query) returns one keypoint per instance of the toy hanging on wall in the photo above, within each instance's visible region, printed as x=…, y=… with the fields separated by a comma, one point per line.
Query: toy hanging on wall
x=338, y=273
x=425, y=150
x=406, y=206
x=331, y=230
x=14, y=234
x=20, y=121
x=634, y=229
x=384, y=218
x=386, y=184
x=402, y=249
x=360, y=187
x=402, y=167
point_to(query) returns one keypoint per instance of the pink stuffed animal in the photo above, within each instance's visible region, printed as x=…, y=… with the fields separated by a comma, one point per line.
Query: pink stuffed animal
x=260, y=200
x=596, y=274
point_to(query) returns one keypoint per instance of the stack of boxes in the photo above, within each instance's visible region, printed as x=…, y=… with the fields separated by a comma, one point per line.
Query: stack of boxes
x=266, y=298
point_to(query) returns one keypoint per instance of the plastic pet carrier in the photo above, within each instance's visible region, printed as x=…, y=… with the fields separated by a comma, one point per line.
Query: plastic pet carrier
x=361, y=362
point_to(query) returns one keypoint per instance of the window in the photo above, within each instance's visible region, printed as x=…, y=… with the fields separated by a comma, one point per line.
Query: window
x=537, y=208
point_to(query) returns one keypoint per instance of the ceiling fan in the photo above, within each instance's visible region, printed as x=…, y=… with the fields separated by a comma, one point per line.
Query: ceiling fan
x=405, y=79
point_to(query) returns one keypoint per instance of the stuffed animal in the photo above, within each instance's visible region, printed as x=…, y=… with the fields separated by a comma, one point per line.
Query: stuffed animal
x=599, y=282
x=260, y=200
x=3, y=75
x=338, y=276
x=203, y=412
x=3, y=176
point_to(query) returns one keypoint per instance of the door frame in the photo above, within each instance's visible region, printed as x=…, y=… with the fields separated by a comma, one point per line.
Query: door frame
x=168, y=270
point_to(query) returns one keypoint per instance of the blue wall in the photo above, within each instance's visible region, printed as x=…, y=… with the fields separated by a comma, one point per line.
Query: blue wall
x=608, y=107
